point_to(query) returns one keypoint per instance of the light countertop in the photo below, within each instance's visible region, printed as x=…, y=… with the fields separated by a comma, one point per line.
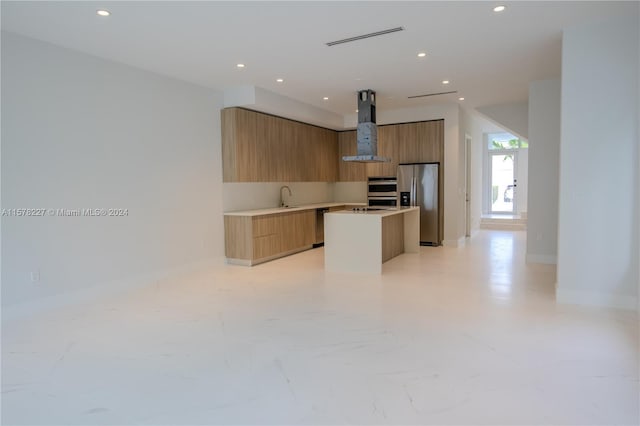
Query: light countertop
x=380, y=213
x=276, y=210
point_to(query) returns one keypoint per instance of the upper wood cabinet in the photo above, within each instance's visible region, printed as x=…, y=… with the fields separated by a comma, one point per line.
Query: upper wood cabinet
x=259, y=147
x=238, y=146
x=349, y=171
x=420, y=142
x=387, y=147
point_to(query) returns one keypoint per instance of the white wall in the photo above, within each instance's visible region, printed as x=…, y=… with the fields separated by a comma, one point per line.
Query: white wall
x=473, y=126
x=82, y=132
x=598, y=211
x=513, y=117
x=522, y=176
x=544, y=166
x=259, y=99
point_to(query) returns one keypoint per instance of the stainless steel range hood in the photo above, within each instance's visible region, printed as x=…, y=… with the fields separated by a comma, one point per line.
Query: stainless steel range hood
x=367, y=130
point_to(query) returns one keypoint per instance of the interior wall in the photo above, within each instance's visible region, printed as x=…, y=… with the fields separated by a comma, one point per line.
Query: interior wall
x=513, y=117
x=471, y=125
x=238, y=196
x=81, y=132
x=522, y=176
x=598, y=211
x=259, y=99
x=544, y=167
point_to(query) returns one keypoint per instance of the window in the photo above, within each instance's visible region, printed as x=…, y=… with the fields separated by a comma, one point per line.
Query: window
x=505, y=141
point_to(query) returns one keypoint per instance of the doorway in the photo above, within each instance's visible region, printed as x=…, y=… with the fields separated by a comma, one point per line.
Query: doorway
x=503, y=181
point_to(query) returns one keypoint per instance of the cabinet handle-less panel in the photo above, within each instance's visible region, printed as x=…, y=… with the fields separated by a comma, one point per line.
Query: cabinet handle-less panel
x=250, y=240
x=258, y=147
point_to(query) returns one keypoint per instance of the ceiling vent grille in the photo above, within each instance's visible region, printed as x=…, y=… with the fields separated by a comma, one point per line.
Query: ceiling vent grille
x=431, y=94
x=362, y=37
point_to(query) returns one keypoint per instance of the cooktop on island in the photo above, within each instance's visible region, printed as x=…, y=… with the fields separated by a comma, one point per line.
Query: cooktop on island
x=368, y=209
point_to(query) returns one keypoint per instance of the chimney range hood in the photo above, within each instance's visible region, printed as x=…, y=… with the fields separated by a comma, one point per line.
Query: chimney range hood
x=367, y=131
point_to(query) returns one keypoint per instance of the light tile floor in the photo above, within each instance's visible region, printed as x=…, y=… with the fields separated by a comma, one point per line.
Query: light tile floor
x=450, y=336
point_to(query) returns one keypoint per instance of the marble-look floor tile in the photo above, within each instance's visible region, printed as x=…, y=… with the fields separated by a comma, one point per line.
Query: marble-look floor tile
x=449, y=336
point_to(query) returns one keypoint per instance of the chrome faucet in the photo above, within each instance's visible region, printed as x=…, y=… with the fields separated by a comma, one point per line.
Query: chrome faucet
x=281, y=197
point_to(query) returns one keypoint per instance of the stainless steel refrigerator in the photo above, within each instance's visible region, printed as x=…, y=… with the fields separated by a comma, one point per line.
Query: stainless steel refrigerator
x=418, y=186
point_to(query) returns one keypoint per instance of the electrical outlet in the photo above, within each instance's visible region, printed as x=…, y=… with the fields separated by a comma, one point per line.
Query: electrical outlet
x=35, y=276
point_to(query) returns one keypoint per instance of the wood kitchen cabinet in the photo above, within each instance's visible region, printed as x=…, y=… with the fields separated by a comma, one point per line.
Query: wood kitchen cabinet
x=250, y=240
x=349, y=171
x=258, y=147
x=238, y=146
x=387, y=147
x=419, y=142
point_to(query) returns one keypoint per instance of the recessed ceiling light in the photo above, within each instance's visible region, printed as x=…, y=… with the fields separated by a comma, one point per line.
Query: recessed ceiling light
x=325, y=98
x=499, y=8
x=103, y=12
x=461, y=99
x=279, y=80
x=240, y=65
x=421, y=55
x=445, y=81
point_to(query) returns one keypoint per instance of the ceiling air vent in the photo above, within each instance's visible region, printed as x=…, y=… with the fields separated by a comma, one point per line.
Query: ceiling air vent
x=431, y=94
x=363, y=36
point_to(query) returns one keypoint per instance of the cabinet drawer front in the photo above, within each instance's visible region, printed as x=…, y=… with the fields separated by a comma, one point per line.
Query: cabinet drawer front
x=267, y=246
x=265, y=225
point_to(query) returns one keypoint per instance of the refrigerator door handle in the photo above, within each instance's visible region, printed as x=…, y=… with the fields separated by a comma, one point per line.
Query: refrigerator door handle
x=414, y=190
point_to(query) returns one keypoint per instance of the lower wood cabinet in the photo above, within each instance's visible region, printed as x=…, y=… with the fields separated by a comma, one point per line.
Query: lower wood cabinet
x=250, y=240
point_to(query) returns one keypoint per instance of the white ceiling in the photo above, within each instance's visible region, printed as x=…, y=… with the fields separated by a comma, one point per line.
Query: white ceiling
x=490, y=58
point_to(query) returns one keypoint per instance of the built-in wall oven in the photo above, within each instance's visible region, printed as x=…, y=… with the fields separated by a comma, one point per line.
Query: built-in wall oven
x=382, y=192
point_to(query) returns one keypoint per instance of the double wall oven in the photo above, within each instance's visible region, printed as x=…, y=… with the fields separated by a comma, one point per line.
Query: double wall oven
x=382, y=192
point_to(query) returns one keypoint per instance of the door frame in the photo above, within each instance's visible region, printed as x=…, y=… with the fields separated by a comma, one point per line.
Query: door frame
x=467, y=184
x=491, y=153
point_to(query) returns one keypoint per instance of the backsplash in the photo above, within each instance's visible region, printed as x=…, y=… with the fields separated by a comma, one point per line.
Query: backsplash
x=250, y=196
x=350, y=192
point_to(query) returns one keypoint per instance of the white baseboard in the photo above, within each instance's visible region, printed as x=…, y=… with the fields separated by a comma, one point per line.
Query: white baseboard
x=542, y=258
x=106, y=289
x=460, y=242
x=592, y=298
x=504, y=226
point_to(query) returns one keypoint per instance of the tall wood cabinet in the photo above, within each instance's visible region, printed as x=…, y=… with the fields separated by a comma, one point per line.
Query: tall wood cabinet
x=259, y=147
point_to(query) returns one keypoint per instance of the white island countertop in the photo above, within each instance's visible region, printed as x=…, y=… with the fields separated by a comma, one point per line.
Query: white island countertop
x=275, y=210
x=379, y=213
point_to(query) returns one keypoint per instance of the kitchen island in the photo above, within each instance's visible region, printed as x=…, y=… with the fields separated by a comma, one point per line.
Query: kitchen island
x=361, y=241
